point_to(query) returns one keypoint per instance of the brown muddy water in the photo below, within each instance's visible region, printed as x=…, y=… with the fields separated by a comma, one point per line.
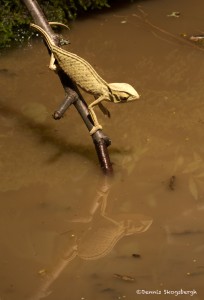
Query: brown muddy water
x=66, y=232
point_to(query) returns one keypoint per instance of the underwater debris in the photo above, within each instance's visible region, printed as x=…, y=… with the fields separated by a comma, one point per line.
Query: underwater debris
x=174, y=14
x=172, y=183
x=124, y=277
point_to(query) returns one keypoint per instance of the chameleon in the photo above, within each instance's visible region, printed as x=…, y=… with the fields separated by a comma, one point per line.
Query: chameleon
x=85, y=76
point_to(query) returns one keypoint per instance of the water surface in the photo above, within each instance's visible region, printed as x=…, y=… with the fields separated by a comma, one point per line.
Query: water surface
x=67, y=233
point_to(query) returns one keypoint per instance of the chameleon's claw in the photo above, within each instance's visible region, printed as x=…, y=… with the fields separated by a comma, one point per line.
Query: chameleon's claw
x=64, y=42
x=95, y=128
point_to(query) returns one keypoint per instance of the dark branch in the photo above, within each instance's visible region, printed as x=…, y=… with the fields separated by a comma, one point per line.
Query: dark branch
x=72, y=94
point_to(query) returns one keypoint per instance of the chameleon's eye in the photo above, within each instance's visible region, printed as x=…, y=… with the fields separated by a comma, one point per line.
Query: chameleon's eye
x=123, y=99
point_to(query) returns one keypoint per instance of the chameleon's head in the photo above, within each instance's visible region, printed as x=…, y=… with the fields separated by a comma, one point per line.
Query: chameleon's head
x=123, y=92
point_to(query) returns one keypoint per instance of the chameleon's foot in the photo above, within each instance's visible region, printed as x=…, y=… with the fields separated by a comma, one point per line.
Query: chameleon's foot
x=95, y=128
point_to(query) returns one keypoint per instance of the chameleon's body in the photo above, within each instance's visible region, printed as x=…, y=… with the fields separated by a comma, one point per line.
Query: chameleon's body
x=84, y=75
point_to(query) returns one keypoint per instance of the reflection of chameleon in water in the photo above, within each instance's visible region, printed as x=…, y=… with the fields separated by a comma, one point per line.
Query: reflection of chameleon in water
x=106, y=232
x=97, y=242
x=100, y=238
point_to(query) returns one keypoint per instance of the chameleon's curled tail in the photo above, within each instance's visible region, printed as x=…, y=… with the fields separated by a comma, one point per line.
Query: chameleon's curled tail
x=59, y=24
x=52, y=23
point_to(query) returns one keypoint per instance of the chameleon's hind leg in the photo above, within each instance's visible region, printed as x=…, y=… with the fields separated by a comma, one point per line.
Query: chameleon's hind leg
x=52, y=65
x=62, y=42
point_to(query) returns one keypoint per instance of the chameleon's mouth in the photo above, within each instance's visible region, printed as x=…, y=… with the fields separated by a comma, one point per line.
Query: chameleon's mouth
x=133, y=98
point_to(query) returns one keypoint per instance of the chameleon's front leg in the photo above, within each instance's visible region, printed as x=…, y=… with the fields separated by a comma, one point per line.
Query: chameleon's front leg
x=97, y=126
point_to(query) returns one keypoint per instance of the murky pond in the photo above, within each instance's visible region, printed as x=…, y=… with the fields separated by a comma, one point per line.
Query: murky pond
x=68, y=233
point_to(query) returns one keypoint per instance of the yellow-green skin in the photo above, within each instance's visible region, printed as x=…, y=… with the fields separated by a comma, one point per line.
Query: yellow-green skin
x=84, y=75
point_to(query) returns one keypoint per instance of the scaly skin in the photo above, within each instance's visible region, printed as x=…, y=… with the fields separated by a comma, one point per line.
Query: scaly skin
x=84, y=75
